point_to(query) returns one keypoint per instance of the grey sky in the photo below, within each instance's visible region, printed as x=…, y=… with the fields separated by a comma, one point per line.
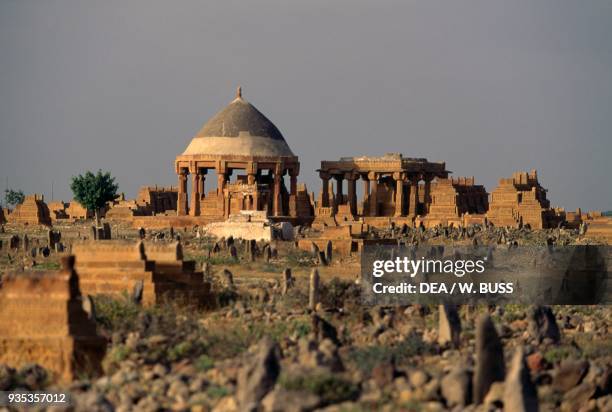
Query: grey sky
x=488, y=86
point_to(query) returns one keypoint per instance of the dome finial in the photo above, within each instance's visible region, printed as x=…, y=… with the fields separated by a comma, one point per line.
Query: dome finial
x=239, y=92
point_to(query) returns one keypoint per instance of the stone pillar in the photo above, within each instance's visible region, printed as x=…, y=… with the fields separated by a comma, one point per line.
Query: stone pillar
x=220, y=183
x=351, y=178
x=324, y=189
x=221, y=178
x=399, y=193
x=339, y=194
x=181, y=207
x=194, y=209
x=202, y=188
x=278, y=201
x=293, y=183
x=293, y=193
x=270, y=203
x=256, y=199
x=366, y=195
x=373, y=177
x=427, y=191
x=414, y=198
x=252, y=174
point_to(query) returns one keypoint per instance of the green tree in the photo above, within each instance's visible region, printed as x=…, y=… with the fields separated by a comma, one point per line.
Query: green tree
x=94, y=190
x=13, y=197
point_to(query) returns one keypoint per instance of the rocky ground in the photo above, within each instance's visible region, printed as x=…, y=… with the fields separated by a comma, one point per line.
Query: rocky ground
x=262, y=347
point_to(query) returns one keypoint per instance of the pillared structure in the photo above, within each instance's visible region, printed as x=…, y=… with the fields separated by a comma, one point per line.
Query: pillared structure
x=390, y=185
x=240, y=138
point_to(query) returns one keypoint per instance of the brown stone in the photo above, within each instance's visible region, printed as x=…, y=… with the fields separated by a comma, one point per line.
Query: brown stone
x=521, y=200
x=535, y=362
x=42, y=321
x=57, y=211
x=452, y=198
x=449, y=326
x=490, y=365
x=33, y=211
x=76, y=211
x=114, y=268
x=313, y=291
x=286, y=281
x=569, y=374
x=520, y=394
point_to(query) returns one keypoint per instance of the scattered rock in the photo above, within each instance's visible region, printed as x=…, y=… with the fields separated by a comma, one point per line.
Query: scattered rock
x=543, y=325
x=449, y=329
x=89, y=307
x=137, y=292
x=569, y=374
x=7, y=377
x=258, y=376
x=322, y=329
x=286, y=281
x=578, y=397
x=328, y=251
x=489, y=358
x=520, y=394
x=456, y=387
x=228, y=278
x=313, y=291
x=281, y=400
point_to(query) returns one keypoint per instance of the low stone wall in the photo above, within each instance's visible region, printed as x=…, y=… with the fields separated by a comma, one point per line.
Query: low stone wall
x=165, y=222
x=244, y=230
x=600, y=228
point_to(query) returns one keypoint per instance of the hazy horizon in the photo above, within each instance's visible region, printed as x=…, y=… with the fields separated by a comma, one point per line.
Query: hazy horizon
x=488, y=87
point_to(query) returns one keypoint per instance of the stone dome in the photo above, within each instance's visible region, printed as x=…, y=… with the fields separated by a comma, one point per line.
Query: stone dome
x=239, y=129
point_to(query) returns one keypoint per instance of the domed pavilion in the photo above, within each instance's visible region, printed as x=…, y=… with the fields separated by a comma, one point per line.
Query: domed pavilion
x=238, y=138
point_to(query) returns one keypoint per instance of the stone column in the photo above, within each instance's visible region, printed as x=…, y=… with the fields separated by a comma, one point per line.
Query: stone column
x=256, y=199
x=202, y=189
x=324, y=189
x=366, y=195
x=221, y=178
x=270, y=203
x=293, y=192
x=373, y=177
x=181, y=207
x=220, y=183
x=351, y=178
x=278, y=201
x=194, y=209
x=414, y=198
x=399, y=193
x=427, y=191
x=252, y=173
x=339, y=193
x=293, y=183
